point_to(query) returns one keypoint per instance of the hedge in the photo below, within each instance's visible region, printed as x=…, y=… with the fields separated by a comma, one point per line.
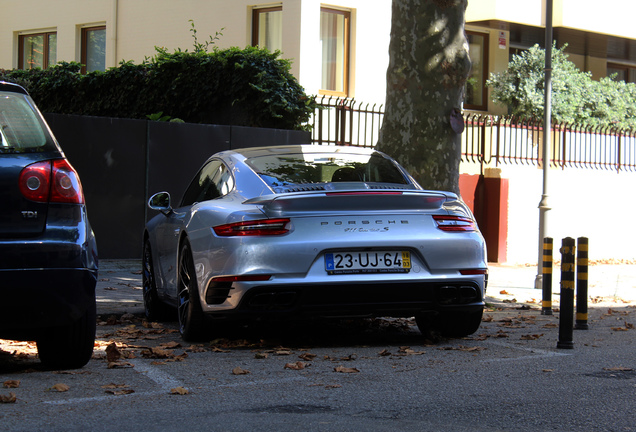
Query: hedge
x=244, y=87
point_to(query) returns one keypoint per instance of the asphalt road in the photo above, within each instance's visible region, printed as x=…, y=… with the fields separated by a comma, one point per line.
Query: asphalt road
x=353, y=375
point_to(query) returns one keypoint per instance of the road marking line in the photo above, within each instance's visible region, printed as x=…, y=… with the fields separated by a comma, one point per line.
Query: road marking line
x=155, y=374
x=100, y=398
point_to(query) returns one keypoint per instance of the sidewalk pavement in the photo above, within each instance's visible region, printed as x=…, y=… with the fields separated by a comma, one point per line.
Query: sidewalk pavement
x=119, y=286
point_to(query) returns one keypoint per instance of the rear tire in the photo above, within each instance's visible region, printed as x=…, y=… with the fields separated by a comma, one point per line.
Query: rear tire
x=155, y=309
x=71, y=346
x=450, y=324
x=192, y=322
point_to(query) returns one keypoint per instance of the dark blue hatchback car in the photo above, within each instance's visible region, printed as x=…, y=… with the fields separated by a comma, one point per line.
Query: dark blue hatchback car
x=48, y=254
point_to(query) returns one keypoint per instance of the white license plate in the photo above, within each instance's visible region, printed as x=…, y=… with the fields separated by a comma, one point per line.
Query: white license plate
x=368, y=262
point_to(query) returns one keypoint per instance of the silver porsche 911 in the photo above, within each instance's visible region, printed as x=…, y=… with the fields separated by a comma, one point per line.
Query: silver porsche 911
x=312, y=231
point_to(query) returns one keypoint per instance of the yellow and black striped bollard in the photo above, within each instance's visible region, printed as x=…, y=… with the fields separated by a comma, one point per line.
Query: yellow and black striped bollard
x=546, y=278
x=581, y=284
x=566, y=315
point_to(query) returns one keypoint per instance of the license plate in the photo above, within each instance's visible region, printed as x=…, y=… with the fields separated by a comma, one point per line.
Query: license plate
x=368, y=262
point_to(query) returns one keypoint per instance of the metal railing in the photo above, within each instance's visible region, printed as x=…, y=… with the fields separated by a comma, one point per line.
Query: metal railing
x=491, y=140
x=346, y=122
x=488, y=140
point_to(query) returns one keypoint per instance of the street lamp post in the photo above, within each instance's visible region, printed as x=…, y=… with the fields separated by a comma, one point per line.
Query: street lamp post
x=544, y=207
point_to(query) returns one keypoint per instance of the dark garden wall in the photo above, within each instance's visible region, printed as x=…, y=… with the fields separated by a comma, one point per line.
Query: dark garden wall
x=122, y=162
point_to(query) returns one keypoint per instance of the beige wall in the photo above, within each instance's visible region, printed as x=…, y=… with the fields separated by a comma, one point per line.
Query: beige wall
x=529, y=12
x=612, y=17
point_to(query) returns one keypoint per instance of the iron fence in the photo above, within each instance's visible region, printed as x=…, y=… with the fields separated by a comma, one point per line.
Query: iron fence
x=345, y=121
x=488, y=140
x=492, y=140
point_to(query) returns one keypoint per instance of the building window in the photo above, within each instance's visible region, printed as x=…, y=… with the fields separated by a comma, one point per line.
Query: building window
x=621, y=59
x=334, y=37
x=476, y=96
x=267, y=28
x=37, y=50
x=93, y=49
x=621, y=72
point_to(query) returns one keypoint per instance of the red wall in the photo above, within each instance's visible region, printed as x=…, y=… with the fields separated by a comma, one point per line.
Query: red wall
x=488, y=200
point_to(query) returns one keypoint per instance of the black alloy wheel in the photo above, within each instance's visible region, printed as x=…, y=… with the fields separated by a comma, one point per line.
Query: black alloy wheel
x=191, y=320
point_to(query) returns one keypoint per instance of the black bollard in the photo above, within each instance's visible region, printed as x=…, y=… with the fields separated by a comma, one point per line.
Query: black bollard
x=566, y=316
x=546, y=272
x=581, y=283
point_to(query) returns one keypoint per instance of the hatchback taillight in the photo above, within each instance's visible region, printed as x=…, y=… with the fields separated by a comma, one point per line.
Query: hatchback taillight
x=260, y=227
x=454, y=223
x=51, y=181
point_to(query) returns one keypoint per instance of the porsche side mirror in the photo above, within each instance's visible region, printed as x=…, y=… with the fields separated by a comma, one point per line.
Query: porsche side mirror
x=160, y=202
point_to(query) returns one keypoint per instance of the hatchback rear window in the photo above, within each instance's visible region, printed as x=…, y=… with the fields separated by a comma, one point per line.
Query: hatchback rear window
x=21, y=127
x=288, y=169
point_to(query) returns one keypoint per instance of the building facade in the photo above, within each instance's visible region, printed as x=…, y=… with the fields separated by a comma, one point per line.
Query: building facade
x=338, y=49
x=600, y=38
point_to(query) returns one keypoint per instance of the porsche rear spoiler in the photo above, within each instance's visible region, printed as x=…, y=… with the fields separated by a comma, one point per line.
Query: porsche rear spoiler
x=338, y=202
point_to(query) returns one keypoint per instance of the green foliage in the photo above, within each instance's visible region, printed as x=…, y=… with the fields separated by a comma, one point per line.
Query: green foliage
x=576, y=97
x=245, y=87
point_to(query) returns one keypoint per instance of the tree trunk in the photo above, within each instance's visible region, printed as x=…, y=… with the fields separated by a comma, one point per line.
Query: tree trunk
x=428, y=68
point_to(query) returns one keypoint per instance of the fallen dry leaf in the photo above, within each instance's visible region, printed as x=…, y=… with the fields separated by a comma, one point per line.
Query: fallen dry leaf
x=112, y=353
x=504, y=292
x=114, y=386
x=261, y=356
x=461, y=348
x=160, y=353
x=59, y=387
x=170, y=345
x=179, y=391
x=11, y=384
x=384, y=353
x=238, y=371
x=120, y=392
x=531, y=337
x=120, y=365
x=296, y=366
x=307, y=356
x=409, y=351
x=10, y=398
x=619, y=369
x=343, y=369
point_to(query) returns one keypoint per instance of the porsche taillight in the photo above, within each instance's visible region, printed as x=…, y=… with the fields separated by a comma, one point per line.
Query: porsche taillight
x=261, y=227
x=454, y=223
x=52, y=181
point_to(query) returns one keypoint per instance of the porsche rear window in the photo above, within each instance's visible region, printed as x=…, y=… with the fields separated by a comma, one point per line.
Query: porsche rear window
x=302, y=168
x=21, y=128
